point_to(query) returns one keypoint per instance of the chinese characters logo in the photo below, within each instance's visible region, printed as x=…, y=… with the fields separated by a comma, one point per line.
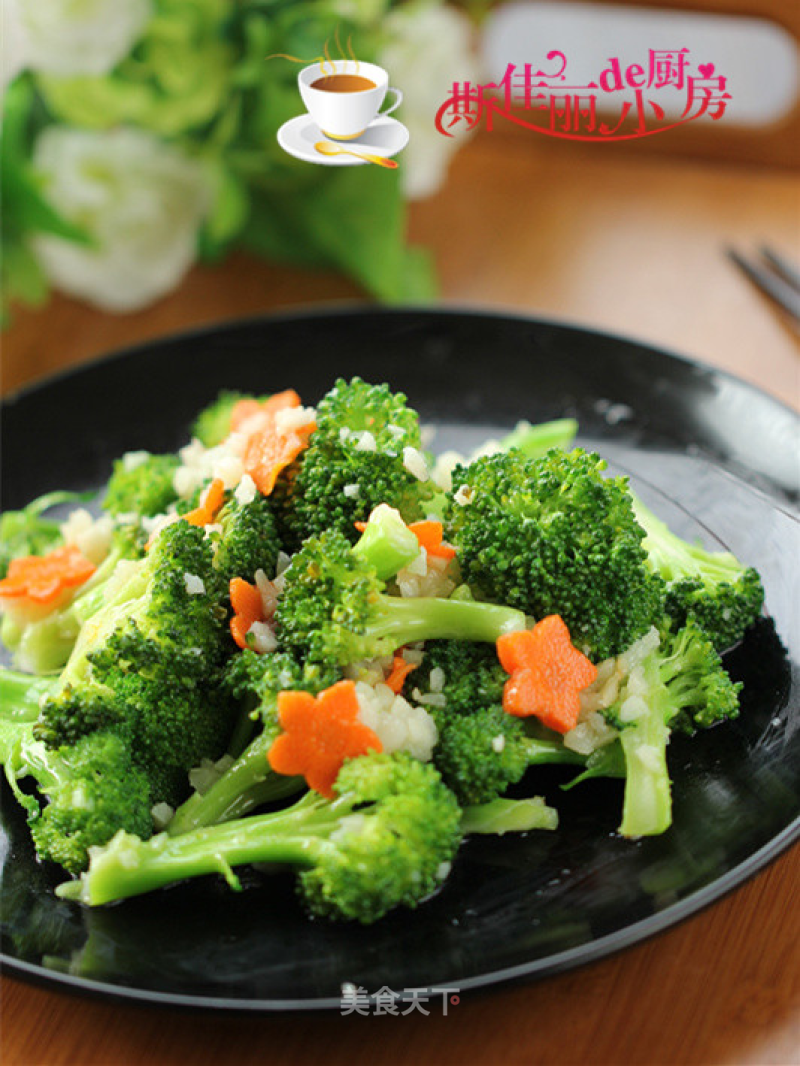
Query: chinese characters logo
x=622, y=103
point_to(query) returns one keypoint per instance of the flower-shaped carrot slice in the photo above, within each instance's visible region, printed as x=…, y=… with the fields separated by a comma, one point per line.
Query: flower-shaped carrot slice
x=319, y=734
x=247, y=608
x=43, y=579
x=547, y=674
x=429, y=534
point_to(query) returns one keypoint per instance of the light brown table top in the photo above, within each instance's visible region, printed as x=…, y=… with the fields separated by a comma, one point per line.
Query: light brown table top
x=625, y=243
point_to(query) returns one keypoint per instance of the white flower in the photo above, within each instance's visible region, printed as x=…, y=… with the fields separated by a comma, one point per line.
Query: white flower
x=69, y=37
x=139, y=199
x=428, y=47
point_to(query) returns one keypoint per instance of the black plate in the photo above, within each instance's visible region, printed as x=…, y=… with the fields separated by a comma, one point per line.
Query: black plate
x=714, y=456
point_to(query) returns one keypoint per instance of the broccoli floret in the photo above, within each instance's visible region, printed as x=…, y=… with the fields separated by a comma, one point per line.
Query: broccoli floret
x=553, y=536
x=480, y=754
x=385, y=841
x=354, y=461
x=248, y=541
x=471, y=673
x=141, y=484
x=680, y=684
x=28, y=532
x=248, y=782
x=481, y=750
x=93, y=788
x=333, y=609
x=213, y=424
x=713, y=589
x=146, y=664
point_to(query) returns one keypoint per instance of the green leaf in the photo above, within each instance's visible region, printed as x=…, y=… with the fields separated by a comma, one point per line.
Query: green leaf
x=353, y=218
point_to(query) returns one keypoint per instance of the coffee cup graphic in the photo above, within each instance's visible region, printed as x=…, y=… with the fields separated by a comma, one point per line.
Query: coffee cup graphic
x=343, y=96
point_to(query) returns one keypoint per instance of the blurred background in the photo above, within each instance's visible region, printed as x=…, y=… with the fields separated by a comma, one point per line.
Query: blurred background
x=144, y=190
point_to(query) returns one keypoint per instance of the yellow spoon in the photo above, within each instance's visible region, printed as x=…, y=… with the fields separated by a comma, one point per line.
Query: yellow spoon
x=326, y=148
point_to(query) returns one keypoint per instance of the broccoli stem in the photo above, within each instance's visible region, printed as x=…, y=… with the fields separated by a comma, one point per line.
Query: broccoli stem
x=674, y=558
x=431, y=618
x=20, y=694
x=245, y=785
x=647, y=804
x=387, y=544
x=128, y=866
x=534, y=440
x=549, y=752
x=503, y=815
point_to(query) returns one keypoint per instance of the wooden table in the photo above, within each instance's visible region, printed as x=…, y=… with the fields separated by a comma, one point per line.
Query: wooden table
x=619, y=242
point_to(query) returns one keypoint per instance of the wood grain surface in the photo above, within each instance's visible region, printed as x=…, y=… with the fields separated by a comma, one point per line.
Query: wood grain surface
x=612, y=241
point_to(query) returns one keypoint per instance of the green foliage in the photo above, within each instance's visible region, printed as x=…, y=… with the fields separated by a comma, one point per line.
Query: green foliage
x=208, y=76
x=24, y=209
x=554, y=536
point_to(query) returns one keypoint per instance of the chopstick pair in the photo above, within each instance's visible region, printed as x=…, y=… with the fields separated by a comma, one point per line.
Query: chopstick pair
x=774, y=275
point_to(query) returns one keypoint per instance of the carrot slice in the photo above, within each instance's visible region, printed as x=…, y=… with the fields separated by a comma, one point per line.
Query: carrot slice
x=547, y=674
x=212, y=501
x=247, y=608
x=429, y=534
x=42, y=579
x=398, y=674
x=319, y=734
x=269, y=451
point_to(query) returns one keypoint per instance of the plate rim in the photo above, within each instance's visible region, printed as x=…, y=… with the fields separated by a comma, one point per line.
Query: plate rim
x=546, y=966
x=343, y=308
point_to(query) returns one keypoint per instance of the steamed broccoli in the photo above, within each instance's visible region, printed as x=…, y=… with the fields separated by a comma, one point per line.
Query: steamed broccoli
x=248, y=541
x=93, y=789
x=713, y=589
x=146, y=664
x=354, y=461
x=333, y=609
x=680, y=684
x=553, y=536
x=385, y=841
x=141, y=484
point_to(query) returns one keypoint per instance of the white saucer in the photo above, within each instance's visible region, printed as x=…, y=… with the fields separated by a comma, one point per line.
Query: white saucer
x=384, y=136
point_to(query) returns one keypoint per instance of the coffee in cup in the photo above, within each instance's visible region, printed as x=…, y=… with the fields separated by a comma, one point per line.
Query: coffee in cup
x=345, y=96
